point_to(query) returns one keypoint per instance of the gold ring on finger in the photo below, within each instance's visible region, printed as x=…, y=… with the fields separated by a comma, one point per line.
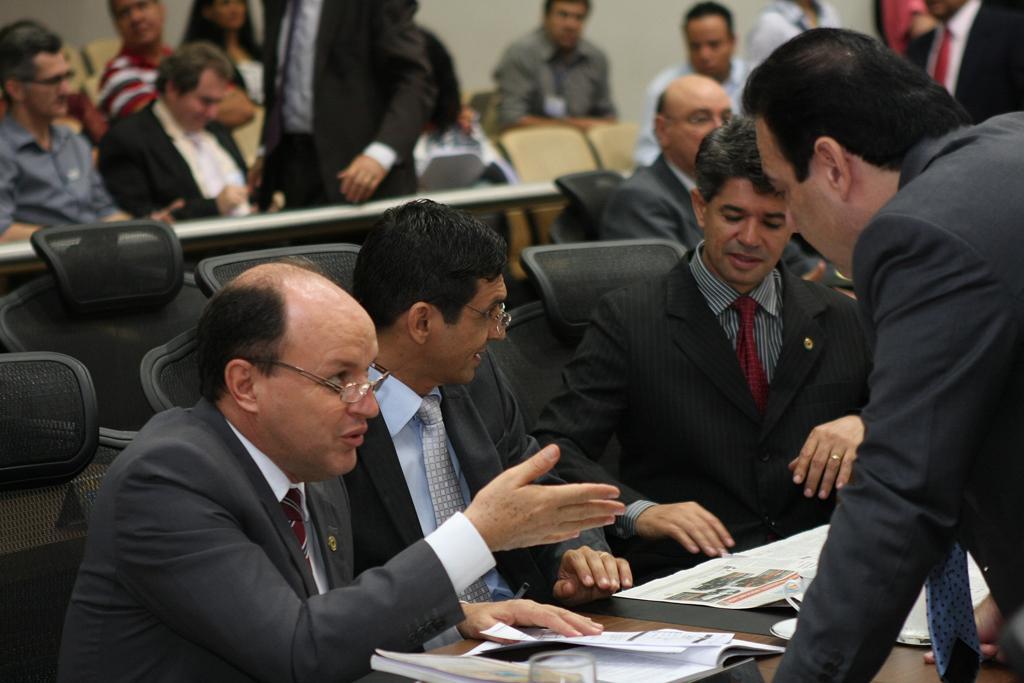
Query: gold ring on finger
x=836, y=456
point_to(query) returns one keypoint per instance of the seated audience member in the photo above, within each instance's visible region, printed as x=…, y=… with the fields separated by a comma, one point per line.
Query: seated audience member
x=655, y=200
x=453, y=127
x=228, y=25
x=129, y=81
x=554, y=75
x=977, y=54
x=781, y=20
x=220, y=543
x=431, y=279
x=173, y=152
x=710, y=43
x=46, y=171
x=730, y=383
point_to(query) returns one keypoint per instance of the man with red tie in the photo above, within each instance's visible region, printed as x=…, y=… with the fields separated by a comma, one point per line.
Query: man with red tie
x=731, y=384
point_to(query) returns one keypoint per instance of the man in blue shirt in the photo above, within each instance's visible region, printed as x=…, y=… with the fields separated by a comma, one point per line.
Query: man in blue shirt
x=46, y=171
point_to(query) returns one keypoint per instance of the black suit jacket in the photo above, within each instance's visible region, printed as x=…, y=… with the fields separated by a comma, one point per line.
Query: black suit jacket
x=191, y=572
x=991, y=78
x=144, y=171
x=371, y=82
x=486, y=429
x=939, y=280
x=656, y=369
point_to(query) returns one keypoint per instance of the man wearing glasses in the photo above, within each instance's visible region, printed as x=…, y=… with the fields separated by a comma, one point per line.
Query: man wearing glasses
x=46, y=171
x=220, y=544
x=430, y=278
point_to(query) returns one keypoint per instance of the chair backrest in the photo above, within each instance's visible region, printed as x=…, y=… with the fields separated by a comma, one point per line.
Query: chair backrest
x=485, y=104
x=100, y=51
x=572, y=278
x=337, y=261
x=542, y=153
x=247, y=137
x=170, y=373
x=116, y=290
x=613, y=144
x=588, y=193
x=52, y=460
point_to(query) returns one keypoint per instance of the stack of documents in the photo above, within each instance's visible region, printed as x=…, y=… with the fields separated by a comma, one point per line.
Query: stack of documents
x=621, y=657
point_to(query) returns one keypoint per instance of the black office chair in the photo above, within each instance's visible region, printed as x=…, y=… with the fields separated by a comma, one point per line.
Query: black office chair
x=52, y=460
x=115, y=290
x=170, y=373
x=588, y=193
x=337, y=261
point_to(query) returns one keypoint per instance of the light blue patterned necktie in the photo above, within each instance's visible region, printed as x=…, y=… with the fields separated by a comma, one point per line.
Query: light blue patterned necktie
x=951, y=618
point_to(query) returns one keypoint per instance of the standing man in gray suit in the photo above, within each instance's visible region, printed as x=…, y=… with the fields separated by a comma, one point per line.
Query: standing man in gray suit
x=926, y=214
x=655, y=201
x=220, y=545
x=718, y=453
x=430, y=278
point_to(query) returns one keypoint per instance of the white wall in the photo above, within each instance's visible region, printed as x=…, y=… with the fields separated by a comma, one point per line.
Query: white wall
x=640, y=36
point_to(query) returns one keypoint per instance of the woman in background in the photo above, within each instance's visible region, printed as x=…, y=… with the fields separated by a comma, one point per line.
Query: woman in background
x=227, y=24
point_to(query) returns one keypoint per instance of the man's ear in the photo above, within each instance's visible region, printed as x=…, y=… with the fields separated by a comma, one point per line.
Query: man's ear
x=419, y=320
x=15, y=89
x=699, y=206
x=242, y=384
x=832, y=161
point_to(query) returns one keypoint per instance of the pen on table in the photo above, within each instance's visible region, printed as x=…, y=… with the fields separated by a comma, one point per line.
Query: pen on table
x=522, y=591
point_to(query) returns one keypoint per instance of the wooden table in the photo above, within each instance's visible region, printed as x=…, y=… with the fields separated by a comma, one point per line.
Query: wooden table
x=904, y=665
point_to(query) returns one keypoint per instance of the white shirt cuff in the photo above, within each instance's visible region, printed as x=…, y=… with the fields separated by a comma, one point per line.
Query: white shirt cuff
x=383, y=155
x=461, y=550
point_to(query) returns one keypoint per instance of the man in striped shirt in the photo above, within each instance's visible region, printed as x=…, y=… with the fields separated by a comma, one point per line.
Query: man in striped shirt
x=731, y=384
x=128, y=83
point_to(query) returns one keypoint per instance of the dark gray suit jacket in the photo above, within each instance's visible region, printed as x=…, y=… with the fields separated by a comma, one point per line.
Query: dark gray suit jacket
x=651, y=203
x=939, y=280
x=371, y=82
x=991, y=77
x=656, y=369
x=191, y=572
x=485, y=427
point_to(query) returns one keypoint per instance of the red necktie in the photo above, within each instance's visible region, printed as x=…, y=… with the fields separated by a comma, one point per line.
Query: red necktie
x=292, y=506
x=941, y=65
x=746, y=352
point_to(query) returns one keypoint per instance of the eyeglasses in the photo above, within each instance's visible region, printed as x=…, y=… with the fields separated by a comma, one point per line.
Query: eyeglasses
x=700, y=118
x=498, y=314
x=353, y=392
x=53, y=80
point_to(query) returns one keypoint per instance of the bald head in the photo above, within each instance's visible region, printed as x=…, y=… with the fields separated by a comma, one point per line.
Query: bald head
x=690, y=107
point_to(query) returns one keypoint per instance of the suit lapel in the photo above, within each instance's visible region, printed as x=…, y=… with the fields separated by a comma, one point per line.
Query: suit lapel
x=332, y=528
x=696, y=332
x=328, y=33
x=270, y=504
x=169, y=153
x=385, y=472
x=472, y=444
x=689, y=233
x=803, y=341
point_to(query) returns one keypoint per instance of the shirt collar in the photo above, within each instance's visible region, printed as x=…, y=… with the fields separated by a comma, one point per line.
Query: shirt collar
x=19, y=137
x=961, y=22
x=582, y=52
x=721, y=296
x=688, y=182
x=276, y=478
x=166, y=119
x=398, y=403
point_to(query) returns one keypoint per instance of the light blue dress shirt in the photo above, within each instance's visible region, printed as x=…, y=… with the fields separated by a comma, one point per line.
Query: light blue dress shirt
x=398, y=405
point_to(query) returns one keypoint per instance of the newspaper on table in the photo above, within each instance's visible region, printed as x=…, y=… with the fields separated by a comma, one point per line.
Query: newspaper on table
x=755, y=578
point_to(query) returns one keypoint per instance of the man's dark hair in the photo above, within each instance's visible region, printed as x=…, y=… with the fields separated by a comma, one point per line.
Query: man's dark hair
x=425, y=251
x=548, y=4
x=850, y=87
x=20, y=42
x=243, y=320
x=730, y=152
x=188, y=63
x=709, y=9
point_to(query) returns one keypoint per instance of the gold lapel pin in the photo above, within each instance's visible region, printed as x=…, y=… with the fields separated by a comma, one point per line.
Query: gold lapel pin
x=808, y=343
x=332, y=543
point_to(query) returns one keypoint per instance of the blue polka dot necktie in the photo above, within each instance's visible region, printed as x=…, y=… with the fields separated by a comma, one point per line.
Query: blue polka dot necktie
x=951, y=619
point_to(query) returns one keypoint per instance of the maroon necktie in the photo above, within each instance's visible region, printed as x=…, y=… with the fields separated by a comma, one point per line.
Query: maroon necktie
x=292, y=506
x=746, y=352
x=941, y=65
